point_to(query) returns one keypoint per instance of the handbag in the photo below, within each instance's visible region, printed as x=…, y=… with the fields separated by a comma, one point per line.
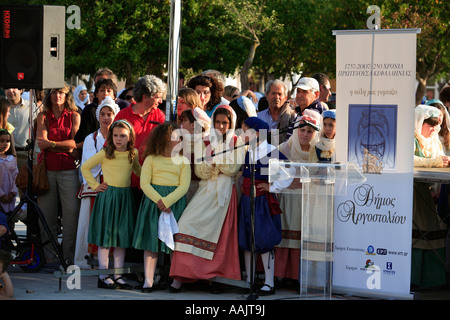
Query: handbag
x=40, y=179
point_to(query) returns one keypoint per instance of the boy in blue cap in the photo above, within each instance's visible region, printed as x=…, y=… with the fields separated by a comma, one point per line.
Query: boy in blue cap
x=267, y=222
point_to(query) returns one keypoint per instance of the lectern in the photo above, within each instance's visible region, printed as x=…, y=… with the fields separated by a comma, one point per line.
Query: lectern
x=319, y=183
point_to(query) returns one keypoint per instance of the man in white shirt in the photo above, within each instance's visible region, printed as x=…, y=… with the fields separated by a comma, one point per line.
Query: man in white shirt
x=19, y=119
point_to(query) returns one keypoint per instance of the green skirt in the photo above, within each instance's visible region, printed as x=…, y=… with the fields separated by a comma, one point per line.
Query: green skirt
x=112, y=221
x=146, y=232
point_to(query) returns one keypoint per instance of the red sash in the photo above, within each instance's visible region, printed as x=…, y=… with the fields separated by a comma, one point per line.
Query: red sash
x=272, y=201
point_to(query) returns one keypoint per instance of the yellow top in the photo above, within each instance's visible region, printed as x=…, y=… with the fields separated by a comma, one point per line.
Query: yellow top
x=165, y=171
x=9, y=127
x=116, y=172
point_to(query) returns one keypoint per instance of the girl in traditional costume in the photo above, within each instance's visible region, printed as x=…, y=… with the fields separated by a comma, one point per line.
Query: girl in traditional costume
x=207, y=245
x=93, y=143
x=195, y=126
x=112, y=220
x=324, y=148
x=165, y=179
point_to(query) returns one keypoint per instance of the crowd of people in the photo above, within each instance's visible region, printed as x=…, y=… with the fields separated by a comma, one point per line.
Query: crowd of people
x=125, y=181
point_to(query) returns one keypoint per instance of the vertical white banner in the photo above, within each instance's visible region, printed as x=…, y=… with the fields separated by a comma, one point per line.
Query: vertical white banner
x=375, y=130
x=174, y=58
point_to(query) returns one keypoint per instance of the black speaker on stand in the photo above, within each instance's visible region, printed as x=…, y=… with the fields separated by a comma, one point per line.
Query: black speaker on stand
x=32, y=45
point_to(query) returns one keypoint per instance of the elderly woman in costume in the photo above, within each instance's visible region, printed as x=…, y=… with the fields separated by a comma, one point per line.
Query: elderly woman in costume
x=298, y=149
x=206, y=245
x=427, y=270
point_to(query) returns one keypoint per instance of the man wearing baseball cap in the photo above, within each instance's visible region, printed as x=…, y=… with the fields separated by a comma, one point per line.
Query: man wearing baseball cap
x=307, y=96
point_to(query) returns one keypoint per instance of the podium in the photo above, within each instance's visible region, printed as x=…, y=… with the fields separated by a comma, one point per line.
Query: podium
x=317, y=184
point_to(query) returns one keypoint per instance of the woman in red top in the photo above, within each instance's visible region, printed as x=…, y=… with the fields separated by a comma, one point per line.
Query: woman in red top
x=57, y=125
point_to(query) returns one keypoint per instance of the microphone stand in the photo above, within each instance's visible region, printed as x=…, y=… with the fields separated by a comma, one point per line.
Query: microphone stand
x=283, y=130
x=252, y=295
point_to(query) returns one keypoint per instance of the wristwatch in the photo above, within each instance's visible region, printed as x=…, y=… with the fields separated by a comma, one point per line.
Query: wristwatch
x=53, y=144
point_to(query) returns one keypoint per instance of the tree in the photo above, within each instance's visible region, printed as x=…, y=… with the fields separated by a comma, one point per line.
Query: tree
x=130, y=37
x=249, y=20
x=204, y=47
x=433, y=54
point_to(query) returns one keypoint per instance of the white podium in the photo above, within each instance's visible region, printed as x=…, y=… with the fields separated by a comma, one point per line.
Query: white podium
x=320, y=182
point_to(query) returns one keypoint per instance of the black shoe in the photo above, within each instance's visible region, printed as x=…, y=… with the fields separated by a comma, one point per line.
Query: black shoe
x=269, y=292
x=144, y=290
x=124, y=286
x=173, y=289
x=103, y=285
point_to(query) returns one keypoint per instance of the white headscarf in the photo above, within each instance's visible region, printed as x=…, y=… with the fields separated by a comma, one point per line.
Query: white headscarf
x=220, y=182
x=76, y=93
x=292, y=148
x=214, y=136
x=107, y=102
x=431, y=147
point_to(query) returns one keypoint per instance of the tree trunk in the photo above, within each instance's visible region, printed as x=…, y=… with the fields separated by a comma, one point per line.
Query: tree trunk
x=421, y=89
x=247, y=65
x=424, y=72
x=129, y=81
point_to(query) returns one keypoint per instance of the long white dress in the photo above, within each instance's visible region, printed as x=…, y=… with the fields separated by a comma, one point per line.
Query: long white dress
x=92, y=144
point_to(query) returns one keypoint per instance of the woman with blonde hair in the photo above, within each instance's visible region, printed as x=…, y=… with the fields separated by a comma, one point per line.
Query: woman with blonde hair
x=187, y=99
x=57, y=125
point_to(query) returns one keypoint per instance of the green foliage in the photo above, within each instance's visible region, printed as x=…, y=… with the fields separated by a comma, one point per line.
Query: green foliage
x=293, y=36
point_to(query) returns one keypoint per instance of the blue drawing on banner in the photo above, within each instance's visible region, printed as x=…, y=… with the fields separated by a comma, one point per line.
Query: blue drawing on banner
x=372, y=137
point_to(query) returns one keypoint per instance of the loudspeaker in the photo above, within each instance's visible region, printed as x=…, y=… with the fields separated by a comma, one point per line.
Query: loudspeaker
x=32, y=46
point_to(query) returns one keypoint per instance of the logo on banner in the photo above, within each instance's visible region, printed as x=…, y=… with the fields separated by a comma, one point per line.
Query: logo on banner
x=369, y=264
x=389, y=270
x=370, y=251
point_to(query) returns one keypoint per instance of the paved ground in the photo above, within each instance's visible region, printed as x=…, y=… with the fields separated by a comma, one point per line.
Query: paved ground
x=44, y=285
x=47, y=284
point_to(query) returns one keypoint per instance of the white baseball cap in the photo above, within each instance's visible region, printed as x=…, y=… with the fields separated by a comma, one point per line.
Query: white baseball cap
x=308, y=84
